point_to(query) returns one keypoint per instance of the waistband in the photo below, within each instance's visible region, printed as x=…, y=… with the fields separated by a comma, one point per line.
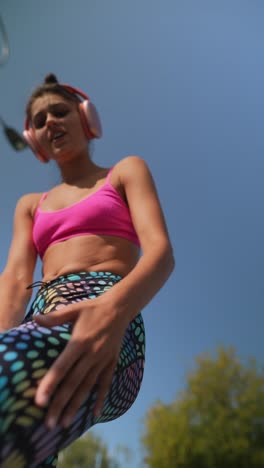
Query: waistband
x=78, y=276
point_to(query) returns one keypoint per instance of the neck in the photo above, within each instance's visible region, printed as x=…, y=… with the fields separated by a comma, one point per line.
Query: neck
x=76, y=169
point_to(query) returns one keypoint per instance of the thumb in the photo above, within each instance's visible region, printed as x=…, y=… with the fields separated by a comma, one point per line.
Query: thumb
x=56, y=318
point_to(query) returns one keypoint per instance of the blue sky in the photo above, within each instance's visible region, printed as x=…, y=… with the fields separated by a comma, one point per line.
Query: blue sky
x=179, y=83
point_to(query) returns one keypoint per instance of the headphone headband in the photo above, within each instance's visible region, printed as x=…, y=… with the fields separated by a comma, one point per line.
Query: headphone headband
x=74, y=90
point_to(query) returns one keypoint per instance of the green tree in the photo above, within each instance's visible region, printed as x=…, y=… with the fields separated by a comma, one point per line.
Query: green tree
x=217, y=422
x=87, y=452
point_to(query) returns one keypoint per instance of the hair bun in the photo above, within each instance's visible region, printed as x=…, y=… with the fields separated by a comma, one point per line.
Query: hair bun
x=50, y=79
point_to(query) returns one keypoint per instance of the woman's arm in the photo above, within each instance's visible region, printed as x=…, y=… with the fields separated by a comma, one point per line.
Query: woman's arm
x=156, y=264
x=19, y=269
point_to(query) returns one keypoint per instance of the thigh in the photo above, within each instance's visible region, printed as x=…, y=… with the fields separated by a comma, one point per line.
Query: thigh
x=28, y=351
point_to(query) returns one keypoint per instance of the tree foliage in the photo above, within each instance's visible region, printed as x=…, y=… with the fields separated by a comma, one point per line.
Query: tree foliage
x=217, y=422
x=87, y=452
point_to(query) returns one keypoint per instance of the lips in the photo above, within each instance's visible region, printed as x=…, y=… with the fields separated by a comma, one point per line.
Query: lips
x=55, y=134
x=56, y=138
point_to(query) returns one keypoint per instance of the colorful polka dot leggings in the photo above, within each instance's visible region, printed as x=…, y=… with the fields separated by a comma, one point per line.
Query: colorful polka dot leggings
x=28, y=351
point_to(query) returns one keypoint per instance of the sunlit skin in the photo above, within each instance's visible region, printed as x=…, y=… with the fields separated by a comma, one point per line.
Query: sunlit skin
x=88, y=253
x=99, y=324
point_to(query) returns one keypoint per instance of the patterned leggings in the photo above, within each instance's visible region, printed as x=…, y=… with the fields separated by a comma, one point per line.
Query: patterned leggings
x=28, y=351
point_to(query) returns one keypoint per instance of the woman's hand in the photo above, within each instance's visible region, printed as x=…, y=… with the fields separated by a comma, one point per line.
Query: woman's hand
x=89, y=357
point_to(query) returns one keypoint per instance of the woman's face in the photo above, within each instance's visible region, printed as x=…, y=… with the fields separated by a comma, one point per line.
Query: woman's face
x=57, y=126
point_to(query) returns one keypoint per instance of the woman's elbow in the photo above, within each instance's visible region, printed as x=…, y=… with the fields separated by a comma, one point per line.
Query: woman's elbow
x=160, y=251
x=166, y=255
x=169, y=258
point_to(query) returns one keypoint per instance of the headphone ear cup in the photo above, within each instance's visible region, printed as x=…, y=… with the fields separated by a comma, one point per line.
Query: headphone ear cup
x=90, y=119
x=31, y=141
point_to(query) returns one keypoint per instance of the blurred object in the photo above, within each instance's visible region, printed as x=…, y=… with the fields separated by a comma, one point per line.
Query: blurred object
x=15, y=139
x=217, y=420
x=4, y=46
x=90, y=451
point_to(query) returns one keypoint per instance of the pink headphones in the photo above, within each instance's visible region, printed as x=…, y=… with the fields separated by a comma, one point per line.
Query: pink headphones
x=89, y=118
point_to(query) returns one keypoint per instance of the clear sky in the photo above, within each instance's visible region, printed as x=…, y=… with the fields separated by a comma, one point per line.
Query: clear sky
x=180, y=83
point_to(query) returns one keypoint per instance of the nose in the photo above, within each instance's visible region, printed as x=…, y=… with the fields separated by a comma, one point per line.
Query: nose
x=50, y=119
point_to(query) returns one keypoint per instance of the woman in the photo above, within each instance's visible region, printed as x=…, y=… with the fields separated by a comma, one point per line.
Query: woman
x=77, y=357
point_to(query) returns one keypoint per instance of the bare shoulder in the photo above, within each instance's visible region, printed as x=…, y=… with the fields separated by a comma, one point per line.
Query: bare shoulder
x=130, y=162
x=132, y=166
x=27, y=203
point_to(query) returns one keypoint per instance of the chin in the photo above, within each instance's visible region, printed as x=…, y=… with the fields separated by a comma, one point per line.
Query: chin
x=62, y=152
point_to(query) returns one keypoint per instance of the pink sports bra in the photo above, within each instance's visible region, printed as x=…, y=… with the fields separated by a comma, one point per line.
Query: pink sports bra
x=103, y=212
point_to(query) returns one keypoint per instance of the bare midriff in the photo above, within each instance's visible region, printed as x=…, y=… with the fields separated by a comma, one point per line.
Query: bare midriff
x=90, y=253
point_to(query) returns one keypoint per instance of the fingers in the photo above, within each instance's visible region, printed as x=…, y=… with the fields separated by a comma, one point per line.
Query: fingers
x=104, y=385
x=79, y=397
x=57, y=372
x=71, y=393
x=56, y=318
x=87, y=358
